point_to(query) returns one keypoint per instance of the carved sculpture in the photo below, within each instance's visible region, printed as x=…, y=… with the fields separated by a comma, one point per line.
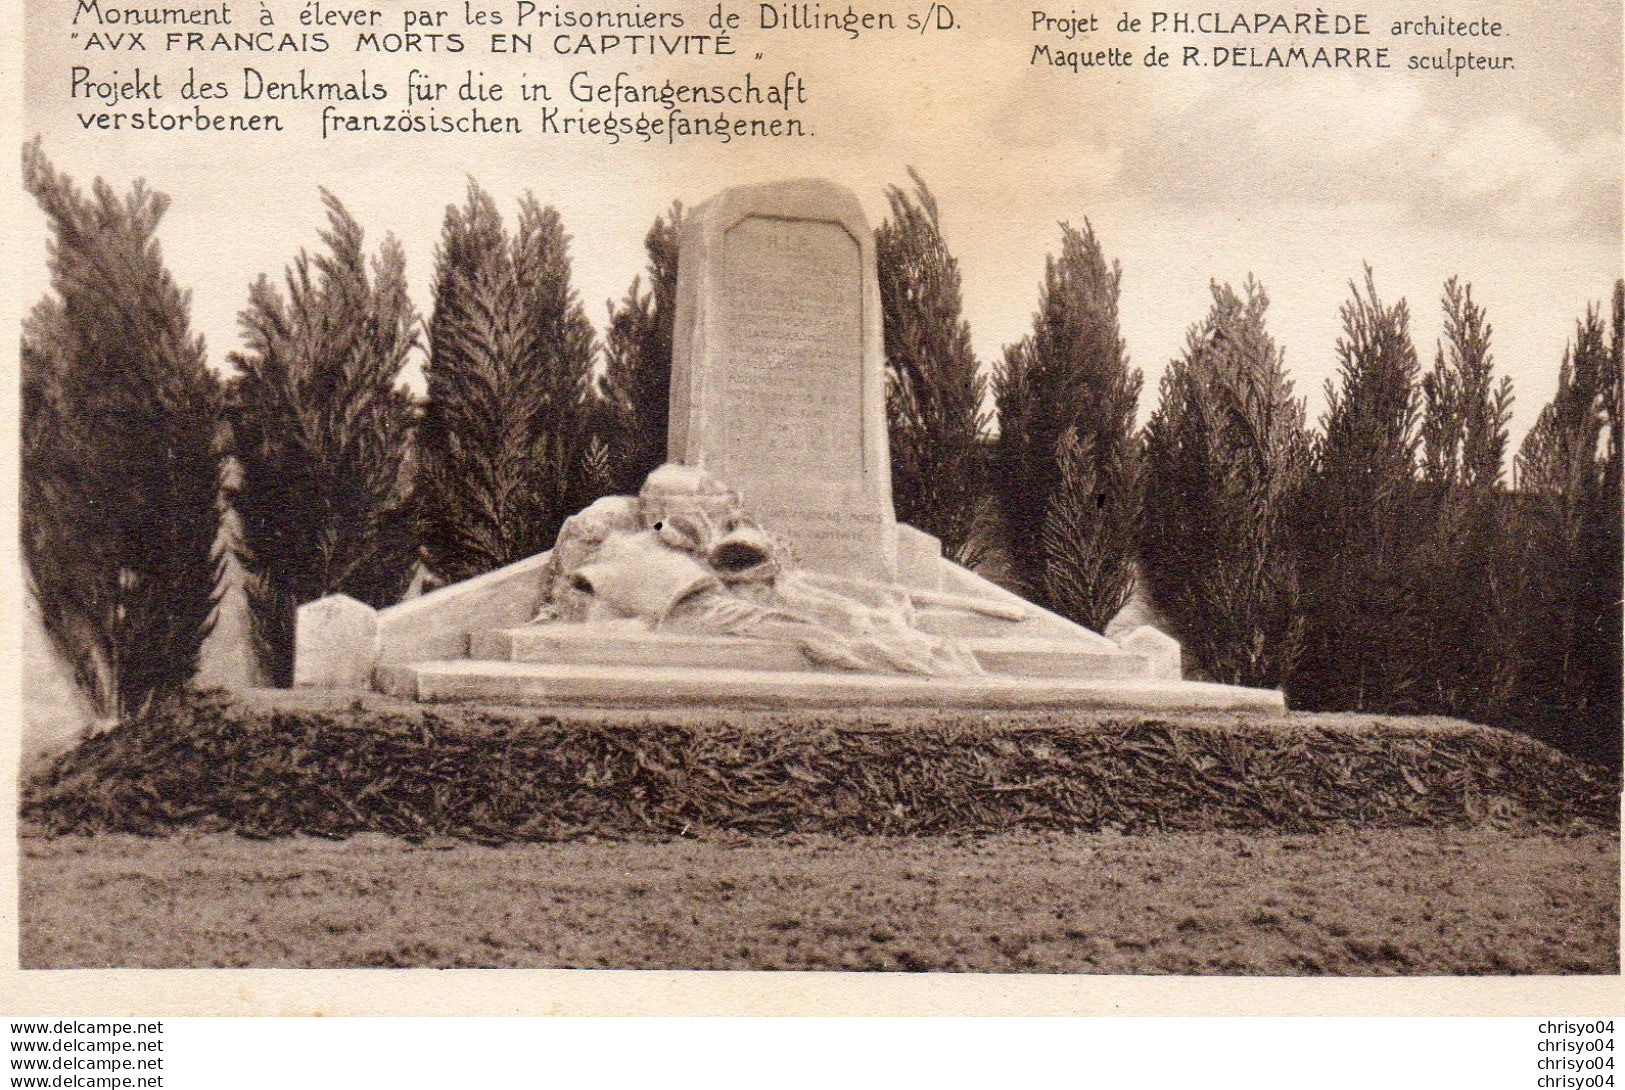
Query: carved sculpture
x=683, y=556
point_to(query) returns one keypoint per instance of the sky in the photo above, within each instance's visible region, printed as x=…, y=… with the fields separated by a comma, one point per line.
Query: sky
x=1509, y=180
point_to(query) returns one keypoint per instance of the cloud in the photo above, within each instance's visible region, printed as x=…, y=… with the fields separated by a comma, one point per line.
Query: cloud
x=1333, y=140
x=1513, y=171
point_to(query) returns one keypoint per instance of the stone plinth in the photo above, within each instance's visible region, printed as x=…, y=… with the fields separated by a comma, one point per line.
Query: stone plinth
x=573, y=685
x=778, y=369
x=1158, y=648
x=335, y=643
x=1018, y=649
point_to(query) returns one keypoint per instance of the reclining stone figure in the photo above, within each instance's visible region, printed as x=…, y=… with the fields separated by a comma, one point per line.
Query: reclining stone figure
x=684, y=557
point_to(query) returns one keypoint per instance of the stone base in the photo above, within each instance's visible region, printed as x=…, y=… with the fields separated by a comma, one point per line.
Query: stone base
x=598, y=686
x=625, y=643
x=470, y=642
x=630, y=644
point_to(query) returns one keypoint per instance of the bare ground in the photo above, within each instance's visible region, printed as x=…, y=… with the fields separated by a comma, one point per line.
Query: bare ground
x=1345, y=902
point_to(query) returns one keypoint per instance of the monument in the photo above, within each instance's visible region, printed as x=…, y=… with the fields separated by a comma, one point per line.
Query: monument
x=763, y=565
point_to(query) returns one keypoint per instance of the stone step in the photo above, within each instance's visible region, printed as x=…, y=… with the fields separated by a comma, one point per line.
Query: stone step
x=615, y=645
x=960, y=624
x=566, y=685
x=618, y=644
x=1057, y=658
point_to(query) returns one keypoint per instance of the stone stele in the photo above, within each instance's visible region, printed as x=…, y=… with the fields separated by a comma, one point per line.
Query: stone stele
x=778, y=369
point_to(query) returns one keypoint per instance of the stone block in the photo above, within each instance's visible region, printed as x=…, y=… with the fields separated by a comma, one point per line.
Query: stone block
x=397, y=679
x=335, y=643
x=919, y=558
x=338, y=641
x=1040, y=622
x=438, y=624
x=1160, y=650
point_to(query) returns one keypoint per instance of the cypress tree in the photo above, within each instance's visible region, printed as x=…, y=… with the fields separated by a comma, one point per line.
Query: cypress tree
x=1467, y=637
x=121, y=463
x=320, y=427
x=1568, y=480
x=1070, y=374
x=934, y=388
x=501, y=444
x=477, y=493
x=551, y=315
x=636, y=383
x=1360, y=526
x=1465, y=410
x=1087, y=532
x=1226, y=453
x=1606, y=568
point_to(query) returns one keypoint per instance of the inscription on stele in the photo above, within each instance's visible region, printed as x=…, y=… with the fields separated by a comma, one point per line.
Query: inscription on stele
x=789, y=310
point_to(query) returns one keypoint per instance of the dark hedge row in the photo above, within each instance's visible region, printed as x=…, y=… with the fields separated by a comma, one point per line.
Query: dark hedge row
x=504, y=775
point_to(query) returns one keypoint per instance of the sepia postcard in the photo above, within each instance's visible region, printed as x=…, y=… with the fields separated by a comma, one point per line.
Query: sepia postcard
x=905, y=507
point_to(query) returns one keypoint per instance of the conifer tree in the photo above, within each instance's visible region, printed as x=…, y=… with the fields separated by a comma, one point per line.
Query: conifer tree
x=636, y=384
x=1226, y=453
x=320, y=427
x=1606, y=570
x=1568, y=479
x=1466, y=645
x=1087, y=532
x=934, y=388
x=509, y=349
x=121, y=463
x=1360, y=521
x=1070, y=374
x=551, y=313
x=1465, y=410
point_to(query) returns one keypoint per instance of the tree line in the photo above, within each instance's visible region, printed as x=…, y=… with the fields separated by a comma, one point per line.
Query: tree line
x=1393, y=558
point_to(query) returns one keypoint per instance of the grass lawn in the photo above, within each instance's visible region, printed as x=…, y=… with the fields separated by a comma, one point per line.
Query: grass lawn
x=1418, y=900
